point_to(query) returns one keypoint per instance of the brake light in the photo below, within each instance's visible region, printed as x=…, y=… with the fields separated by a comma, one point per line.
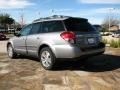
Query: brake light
x=68, y=36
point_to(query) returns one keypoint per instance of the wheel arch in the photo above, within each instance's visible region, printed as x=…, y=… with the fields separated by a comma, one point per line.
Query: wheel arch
x=43, y=46
x=9, y=43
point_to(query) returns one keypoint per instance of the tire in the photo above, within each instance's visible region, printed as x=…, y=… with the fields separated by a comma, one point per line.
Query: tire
x=11, y=52
x=47, y=58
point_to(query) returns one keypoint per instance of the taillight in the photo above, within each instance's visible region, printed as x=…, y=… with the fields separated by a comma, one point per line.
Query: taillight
x=68, y=36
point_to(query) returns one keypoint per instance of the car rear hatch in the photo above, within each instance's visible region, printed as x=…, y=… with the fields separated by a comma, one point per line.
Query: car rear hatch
x=86, y=34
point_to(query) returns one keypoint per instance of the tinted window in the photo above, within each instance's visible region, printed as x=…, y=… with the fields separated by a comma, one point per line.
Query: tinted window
x=35, y=28
x=52, y=26
x=25, y=31
x=78, y=25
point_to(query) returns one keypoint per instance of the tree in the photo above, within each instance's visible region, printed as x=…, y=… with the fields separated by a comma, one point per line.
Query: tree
x=5, y=20
x=111, y=20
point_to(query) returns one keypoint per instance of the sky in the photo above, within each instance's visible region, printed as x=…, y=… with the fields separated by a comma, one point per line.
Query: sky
x=94, y=10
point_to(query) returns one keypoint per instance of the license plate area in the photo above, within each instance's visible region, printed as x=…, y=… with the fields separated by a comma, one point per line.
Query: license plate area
x=91, y=40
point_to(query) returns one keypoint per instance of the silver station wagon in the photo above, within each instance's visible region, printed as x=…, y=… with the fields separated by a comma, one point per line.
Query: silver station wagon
x=56, y=37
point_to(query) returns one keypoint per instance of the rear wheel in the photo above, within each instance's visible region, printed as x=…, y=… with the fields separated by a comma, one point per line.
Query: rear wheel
x=11, y=52
x=47, y=58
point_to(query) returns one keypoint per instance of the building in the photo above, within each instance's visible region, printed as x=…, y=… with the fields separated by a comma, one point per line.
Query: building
x=114, y=28
x=2, y=29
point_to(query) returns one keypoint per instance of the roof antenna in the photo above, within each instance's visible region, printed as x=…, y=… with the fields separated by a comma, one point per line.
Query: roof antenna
x=39, y=14
x=22, y=18
x=52, y=12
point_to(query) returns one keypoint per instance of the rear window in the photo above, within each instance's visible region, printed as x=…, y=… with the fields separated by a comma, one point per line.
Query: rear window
x=81, y=25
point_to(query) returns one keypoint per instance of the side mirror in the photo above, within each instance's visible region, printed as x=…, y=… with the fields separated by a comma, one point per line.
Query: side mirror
x=17, y=34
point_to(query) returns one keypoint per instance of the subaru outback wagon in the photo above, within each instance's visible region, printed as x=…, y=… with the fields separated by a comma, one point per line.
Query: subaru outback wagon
x=56, y=37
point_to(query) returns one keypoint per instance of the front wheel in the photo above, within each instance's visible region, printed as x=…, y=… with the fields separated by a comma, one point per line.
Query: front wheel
x=47, y=58
x=11, y=52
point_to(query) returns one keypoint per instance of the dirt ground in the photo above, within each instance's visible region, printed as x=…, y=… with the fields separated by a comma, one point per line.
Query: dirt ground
x=97, y=73
x=3, y=45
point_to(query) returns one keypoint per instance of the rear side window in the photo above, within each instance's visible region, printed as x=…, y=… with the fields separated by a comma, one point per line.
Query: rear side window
x=52, y=26
x=36, y=27
x=78, y=25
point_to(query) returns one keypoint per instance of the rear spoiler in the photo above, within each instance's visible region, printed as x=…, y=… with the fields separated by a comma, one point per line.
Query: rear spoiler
x=75, y=18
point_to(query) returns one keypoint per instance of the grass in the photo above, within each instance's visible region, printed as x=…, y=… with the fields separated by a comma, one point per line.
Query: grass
x=112, y=43
x=105, y=41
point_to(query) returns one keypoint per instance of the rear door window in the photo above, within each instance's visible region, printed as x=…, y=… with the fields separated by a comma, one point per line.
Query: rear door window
x=36, y=27
x=78, y=25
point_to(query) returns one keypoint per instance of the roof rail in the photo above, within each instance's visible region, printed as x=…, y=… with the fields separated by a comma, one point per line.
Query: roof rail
x=51, y=17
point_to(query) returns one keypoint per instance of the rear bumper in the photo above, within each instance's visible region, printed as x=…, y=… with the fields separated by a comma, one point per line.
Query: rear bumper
x=73, y=51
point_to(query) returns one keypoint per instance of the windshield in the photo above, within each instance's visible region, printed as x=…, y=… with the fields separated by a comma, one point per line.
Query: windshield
x=81, y=25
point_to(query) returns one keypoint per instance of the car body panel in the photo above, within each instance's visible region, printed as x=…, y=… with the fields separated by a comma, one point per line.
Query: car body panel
x=19, y=44
x=84, y=41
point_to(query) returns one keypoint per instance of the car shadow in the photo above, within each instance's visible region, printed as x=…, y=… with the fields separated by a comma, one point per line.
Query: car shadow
x=95, y=64
x=99, y=63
